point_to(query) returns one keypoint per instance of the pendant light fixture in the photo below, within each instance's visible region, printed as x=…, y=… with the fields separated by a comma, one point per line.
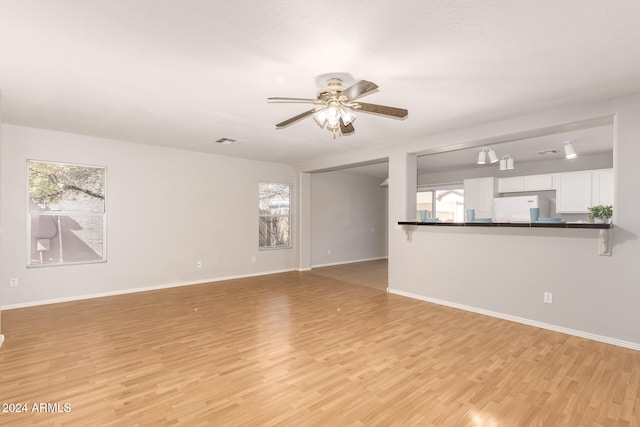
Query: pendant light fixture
x=482, y=156
x=506, y=163
x=493, y=157
x=570, y=151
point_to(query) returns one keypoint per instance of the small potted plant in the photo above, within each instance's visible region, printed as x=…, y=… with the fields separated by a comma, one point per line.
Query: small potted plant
x=600, y=213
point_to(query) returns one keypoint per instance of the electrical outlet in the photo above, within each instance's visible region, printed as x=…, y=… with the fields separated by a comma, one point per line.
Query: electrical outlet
x=548, y=297
x=198, y=264
x=329, y=252
x=13, y=282
x=253, y=259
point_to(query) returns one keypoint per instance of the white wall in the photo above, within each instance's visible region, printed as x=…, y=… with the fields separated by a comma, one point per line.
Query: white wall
x=1, y=215
x=348, y=218
x=166, y=209
x=504, y=272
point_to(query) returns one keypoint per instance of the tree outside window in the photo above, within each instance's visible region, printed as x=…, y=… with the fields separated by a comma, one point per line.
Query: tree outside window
x=274, y=207
x=67, y=215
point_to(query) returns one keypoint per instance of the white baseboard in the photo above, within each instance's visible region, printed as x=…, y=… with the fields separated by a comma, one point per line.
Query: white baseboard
x=157, y=287
x=348, y=262
x=134, y=290
x=555, y=328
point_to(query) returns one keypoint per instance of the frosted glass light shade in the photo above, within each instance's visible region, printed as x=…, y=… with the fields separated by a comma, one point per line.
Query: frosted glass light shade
x=320, y=117
x=333, y=122
x=347, y=116
x=332, y=112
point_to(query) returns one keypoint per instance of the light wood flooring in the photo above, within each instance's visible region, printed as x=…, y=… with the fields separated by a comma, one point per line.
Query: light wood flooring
x=372, y=274
x=303, y=349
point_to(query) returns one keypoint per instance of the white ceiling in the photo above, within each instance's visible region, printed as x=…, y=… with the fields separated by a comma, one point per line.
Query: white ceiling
x=184, y=73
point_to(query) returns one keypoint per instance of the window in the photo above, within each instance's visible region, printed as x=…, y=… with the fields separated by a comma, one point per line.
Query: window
x=66, y=214
x=446, y=204
x=274, y=206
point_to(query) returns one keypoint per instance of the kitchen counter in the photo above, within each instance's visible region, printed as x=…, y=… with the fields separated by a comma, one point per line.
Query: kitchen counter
x=585, y=225
x=604, y=247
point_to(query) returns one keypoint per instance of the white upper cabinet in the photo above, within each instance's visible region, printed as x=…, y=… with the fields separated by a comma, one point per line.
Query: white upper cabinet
x=512, y=184
x=538, y=182
x=602, y=187
x=573, y=192
x=479, y=194
x=516, y=184
x=577, y=191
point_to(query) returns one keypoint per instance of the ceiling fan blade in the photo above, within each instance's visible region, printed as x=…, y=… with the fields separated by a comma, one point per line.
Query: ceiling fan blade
x=346, y=129
x=295, y=119
x=283, y=99
x=360, y=89
x=400, y=113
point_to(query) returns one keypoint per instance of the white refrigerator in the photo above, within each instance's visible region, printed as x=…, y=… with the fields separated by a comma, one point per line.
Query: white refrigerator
x=516, y=209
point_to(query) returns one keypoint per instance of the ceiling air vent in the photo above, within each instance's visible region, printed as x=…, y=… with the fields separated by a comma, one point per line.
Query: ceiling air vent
x=226, y=141
x=549, y=151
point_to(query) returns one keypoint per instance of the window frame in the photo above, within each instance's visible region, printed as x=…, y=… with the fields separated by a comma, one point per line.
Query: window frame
x=434, y=190
x=289, y=216
x=29, y=212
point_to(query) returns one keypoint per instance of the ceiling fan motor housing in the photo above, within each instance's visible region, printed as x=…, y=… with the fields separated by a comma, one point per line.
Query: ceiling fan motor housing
x=332, y=91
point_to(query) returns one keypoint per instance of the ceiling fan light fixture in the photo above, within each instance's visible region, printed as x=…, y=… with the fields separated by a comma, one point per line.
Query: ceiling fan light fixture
x=336, y=104
x=333, y=122
x=333, y=112
x=331, y=117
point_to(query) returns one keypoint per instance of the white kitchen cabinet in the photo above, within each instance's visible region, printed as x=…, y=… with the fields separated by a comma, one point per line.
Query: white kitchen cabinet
x=573, y=191
x=512, y=184
x=538, y=182
x=515, y=184
x=479, y=194
x=576, y=191
x=602, y=187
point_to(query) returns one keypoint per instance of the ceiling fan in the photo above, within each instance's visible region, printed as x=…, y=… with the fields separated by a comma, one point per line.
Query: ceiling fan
x=335, y=106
